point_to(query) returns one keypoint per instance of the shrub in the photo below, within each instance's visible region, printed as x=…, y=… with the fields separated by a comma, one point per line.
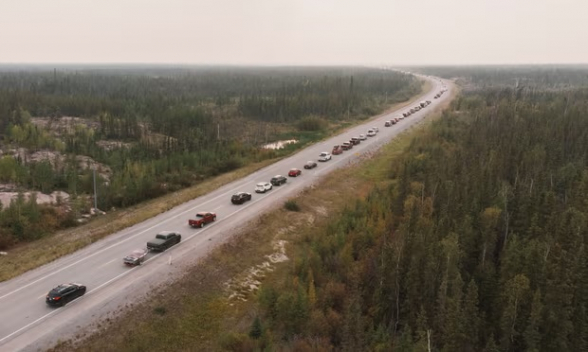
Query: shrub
x=159, y=310
x=291, y=205
x=311, y=123
x=236, y=342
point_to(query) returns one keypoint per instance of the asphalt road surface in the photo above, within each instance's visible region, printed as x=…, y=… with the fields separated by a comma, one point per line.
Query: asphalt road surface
x=28, y=324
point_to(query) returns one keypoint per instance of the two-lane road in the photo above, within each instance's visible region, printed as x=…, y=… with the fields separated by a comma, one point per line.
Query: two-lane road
x=27, y=323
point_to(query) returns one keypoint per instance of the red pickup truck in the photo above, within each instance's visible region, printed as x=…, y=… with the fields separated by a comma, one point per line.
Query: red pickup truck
x=202, y=219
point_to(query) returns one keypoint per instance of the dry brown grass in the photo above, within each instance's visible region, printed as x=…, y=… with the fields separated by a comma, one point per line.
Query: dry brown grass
x=202, y=317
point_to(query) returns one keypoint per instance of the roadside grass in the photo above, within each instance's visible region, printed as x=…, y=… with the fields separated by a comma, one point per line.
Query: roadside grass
x=28, y=256
x=195, y=313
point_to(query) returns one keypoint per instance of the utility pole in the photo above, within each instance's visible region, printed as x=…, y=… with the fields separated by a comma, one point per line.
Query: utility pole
x=95, y=192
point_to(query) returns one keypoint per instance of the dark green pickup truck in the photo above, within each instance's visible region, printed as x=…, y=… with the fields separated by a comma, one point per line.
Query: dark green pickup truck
x=163, y=241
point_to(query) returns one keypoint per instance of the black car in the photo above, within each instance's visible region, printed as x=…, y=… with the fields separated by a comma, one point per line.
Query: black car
x=62, y=294
x=240, y=198
x=310, y=164
x=278, y=180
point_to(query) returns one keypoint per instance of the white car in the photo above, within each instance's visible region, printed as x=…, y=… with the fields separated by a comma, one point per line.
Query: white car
x=371, y=133
x=375, y=129
x=263, y=187
x=324, y=156
x=362, y=137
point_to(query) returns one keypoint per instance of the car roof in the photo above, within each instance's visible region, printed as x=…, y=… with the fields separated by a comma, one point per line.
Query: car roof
x=165, y=232
x=62, y=288
x=202, y=212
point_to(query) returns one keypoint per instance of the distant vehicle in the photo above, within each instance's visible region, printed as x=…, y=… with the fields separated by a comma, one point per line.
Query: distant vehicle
x=405, y=114
x=387, y=123
x=240, y=197
x=362, y=137
x=278, y=180
x=417, y=108
x=324, y=156
x=412, y=110
x=371, y=133
x=163, y=241
x=347, y=146
x=337, y=150
x=310, y=165
x=136, y=257
x=202, y=218
x=423, y=104
x=64, y=293
x=428, y=102
x=395, y=120
x=263, y=187
x=355, y=140
x=375, y=129
x=294, y=172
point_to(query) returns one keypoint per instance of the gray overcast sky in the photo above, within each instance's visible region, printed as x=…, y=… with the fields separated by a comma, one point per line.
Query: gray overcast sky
x=305, y=32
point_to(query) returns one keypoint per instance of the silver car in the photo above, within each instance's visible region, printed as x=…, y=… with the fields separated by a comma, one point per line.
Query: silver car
x=324, y=156
x=263, y=187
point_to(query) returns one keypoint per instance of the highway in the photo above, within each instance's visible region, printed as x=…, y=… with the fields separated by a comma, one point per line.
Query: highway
x=28, y=324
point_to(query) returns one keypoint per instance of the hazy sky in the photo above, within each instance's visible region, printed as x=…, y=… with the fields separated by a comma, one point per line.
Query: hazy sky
x=309, y=32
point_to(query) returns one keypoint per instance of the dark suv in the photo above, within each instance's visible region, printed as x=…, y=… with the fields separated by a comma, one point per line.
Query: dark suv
x=278, y=180
x=62, y=294
x=240, y=198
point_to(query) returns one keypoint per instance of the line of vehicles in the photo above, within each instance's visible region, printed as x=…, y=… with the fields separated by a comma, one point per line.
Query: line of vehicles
x=65, y=293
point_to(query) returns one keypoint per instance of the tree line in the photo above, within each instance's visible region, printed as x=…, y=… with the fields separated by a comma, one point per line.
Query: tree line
x=479, y=244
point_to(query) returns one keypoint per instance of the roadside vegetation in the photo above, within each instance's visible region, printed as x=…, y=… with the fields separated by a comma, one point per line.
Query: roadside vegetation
x=153, y=131
x=469, y=235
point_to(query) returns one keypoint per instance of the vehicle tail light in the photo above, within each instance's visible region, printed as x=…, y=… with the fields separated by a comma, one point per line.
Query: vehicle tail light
x=56, y=298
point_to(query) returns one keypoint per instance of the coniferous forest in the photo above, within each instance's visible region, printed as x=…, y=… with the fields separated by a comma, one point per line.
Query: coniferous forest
x=479, y=243
x=153, y=130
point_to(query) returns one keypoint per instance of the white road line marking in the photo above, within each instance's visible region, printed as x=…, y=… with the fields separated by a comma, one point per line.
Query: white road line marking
x=28, y=325
x=105, y=264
